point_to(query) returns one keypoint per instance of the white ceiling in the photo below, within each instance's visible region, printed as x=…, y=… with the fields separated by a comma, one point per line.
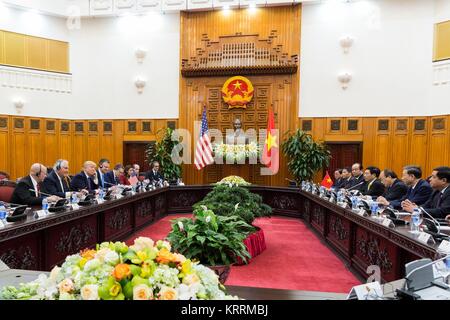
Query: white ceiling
x=96, y=8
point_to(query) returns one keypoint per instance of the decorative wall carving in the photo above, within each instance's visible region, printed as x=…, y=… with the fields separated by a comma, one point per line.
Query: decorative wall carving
x=283, y=202
x=119, y=219
x=239, y=54
x=77, y=239
x=369, y=248
x=144, y=209
x=318, y=215
x=183, y=199
x=21, y=258
x=338, y=228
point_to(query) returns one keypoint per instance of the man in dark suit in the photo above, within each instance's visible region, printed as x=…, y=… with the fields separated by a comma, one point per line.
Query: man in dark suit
x=103, y=169
x=395, y=188
x=112, y=176
x=154, y=174
x=338, y=179
x=346, y=176
x=58, y=182
x=87, y=180
x=439, y=203
x=419, y=191
x=357, y=181
x=373, y=187
x=28, y=189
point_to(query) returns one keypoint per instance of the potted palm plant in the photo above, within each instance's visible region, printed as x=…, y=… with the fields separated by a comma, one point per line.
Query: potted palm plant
x=306, y=156
x=161, y=151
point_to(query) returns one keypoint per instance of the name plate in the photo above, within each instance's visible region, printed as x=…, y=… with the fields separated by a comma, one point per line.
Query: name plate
x=367, y=291
x=100, y=201
x=2, y=225
x=388, y=223
x=41, y=213
x=361, y=213
x=119, y=196
x=75, y=206
x=444, y=247
x=425, y=238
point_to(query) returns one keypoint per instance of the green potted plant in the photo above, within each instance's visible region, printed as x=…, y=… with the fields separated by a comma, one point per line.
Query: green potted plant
x=161, y=151
x=231, y=200
x=306, y=156
x=216, y=241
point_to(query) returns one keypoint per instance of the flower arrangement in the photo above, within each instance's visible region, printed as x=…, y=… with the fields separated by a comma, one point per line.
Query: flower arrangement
x=114, y=271
x=234, y=181
x=238, y=153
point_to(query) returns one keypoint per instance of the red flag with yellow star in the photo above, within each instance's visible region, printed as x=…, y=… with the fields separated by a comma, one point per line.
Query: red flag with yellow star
x=327, y=182
x=270, y=156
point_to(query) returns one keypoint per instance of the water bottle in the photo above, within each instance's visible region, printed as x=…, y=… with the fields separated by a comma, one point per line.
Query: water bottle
x=354, y=203
x=2, y=212
x=101, y=194
x=374, y=209
x=45, y=204
x=415, y=220
x=74, y=198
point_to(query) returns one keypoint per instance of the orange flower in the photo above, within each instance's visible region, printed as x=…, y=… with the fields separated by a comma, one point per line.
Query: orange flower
x=122, y=270
x=88, y=254
x=165, y=256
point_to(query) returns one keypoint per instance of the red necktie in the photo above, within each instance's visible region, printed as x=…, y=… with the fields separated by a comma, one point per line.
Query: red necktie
x=38, y=188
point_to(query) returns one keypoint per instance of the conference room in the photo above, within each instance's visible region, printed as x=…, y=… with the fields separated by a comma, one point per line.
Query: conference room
x=225, y=150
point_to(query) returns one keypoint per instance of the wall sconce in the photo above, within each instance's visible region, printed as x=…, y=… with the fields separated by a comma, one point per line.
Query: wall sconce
x=140, y=54
x=19, y=104
x=140, y=84
x=344, y=79
x=346, y=43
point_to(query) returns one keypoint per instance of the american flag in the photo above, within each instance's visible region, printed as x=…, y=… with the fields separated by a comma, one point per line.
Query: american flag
x=203, y=151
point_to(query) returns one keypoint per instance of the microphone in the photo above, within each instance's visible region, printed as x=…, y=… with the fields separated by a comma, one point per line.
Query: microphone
x=415, y=270
x=10, y=204
x=356, y=185
x=432, y=219
x=111, y=184
x=40, y=192
x=292, y=181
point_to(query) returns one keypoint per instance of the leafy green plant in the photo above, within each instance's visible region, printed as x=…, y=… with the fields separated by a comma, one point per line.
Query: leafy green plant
x=229, y=201
x=210, y=238
x=306, y=156
x=161, y=151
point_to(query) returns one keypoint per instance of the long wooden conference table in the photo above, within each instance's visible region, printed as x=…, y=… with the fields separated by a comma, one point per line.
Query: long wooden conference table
x=41, y=243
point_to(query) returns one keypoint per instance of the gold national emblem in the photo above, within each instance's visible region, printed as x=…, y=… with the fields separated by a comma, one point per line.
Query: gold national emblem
x=237, y=92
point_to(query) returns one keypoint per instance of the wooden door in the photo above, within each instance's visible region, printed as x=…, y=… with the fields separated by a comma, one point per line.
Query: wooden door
x=134, y=152
x=343, y=155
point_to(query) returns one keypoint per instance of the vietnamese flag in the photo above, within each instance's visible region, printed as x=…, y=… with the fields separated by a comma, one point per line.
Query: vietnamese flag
x=327, y=182
x=270, y=156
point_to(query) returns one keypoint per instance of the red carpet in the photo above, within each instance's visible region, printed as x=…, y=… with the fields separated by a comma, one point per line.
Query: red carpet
x=294, y=259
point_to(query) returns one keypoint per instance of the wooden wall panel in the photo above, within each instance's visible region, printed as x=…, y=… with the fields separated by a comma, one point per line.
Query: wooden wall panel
x=21, y=50
x=441, y=41
x=424, y=141
x=282, y=90
x=23, y=143
x=14, y=49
